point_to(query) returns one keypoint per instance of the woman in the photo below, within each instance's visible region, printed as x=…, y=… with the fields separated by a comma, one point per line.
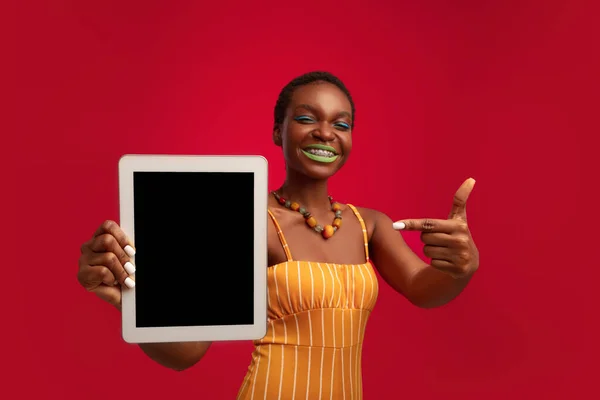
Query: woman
x=318, y=308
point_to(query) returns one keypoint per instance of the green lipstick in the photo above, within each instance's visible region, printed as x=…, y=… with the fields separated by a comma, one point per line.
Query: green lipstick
x=320, y=153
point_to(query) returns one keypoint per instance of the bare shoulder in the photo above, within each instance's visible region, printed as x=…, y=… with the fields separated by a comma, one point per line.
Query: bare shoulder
x=373, y=218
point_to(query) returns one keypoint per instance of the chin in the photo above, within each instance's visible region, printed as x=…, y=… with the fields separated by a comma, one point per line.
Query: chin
x=322, y=171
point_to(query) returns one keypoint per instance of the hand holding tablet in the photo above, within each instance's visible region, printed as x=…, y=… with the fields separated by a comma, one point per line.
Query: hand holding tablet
x=106, y=263
x=190, y=254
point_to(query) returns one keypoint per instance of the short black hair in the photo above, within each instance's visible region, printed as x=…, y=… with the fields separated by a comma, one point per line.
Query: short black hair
x=285, y=96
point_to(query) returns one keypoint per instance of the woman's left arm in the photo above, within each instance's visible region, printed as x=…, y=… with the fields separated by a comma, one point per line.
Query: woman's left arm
x=448, y=244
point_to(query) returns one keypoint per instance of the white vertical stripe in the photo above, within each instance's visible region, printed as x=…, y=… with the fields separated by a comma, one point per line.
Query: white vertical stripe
x=308, y=372
x=297, y=330
x=255, y=375
x=360, y=333
x=332, y=286
x=344, y=337
x=331, y=302
x=323, y=327
x=276, y=287
x=312, y=287
x=351, y=336
x=347, y=287
x=295, y=372
x=333, y=324
x=299, y=285
x=339, y=303
x=281, y=373
x=350, y=377
x=353, y=288
x=268, y=297
x=268, y=367
x=321, y=374
x=287, y=288
x=273, y=331
x=324, y=284
x=279, y=299
x=310, y=327
x=370, y=275
x=343, y=348
x=332, y=373
x=322, y=309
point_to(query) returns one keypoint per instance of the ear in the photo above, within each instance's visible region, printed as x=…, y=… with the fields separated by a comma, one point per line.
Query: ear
x=277, y=135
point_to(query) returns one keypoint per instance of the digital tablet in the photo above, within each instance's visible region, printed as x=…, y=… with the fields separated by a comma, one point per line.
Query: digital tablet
x=199, y=227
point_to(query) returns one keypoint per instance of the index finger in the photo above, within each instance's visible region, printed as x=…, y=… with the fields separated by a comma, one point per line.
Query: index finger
x=112, y=228
x=426, y=225
x=459, y=204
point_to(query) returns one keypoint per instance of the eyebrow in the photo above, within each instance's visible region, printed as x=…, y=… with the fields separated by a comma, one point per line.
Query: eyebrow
x=313, y=110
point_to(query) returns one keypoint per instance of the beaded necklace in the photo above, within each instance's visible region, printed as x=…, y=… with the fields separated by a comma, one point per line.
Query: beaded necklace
x=326, y=231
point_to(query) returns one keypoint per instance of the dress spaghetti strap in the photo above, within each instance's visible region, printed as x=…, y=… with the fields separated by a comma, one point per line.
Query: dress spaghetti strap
x=286, y=248
x=364, y=229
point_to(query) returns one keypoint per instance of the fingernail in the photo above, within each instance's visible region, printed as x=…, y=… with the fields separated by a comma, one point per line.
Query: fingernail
x=129, y=250
x=115, y=283
x=129, y=283
x=129, y=268
x=399, y=226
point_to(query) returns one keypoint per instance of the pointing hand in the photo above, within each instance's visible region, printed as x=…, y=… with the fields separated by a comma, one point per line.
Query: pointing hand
x=448, y=242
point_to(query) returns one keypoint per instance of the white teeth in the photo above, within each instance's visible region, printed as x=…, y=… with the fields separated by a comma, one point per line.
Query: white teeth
x=322, y=153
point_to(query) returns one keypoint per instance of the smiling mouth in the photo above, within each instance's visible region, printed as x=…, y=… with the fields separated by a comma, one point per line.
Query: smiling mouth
x=320, y=153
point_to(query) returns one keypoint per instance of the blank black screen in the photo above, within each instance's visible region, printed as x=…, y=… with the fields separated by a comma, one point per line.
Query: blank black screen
x=194, y=238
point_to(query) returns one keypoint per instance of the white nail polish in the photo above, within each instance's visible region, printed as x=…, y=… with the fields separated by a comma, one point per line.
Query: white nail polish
x=115, y=283
x=129, y=268
x=129, y=250
x=399, y=226
x=129, y=283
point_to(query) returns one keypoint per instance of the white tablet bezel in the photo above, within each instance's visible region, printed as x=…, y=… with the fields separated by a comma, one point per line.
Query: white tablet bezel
x=128, y=164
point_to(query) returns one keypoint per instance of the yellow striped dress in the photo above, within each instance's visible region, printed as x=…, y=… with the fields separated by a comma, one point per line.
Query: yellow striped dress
x=317, y=313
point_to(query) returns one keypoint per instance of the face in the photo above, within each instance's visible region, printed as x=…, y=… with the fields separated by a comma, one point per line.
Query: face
x=316, y=133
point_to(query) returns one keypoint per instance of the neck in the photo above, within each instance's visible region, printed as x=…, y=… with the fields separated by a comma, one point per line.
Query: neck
x=309, y=193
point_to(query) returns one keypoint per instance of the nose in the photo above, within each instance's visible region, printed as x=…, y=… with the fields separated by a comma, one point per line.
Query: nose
x=324, y=133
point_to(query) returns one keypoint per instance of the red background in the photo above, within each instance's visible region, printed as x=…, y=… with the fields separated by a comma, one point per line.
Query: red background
x=503, y=91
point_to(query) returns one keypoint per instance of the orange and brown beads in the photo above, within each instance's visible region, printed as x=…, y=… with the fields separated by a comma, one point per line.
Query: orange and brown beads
x=328, y=231
x=311, y=221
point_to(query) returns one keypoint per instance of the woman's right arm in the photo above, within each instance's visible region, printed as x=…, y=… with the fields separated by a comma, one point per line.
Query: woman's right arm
x=176, y=356
x=105, y=266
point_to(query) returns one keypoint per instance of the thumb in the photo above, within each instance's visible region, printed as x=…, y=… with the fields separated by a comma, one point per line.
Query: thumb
x=110, y=294
x=459, y=203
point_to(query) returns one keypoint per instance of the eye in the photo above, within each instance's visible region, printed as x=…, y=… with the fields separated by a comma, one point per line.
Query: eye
x=342, y=125
x=304, y=119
